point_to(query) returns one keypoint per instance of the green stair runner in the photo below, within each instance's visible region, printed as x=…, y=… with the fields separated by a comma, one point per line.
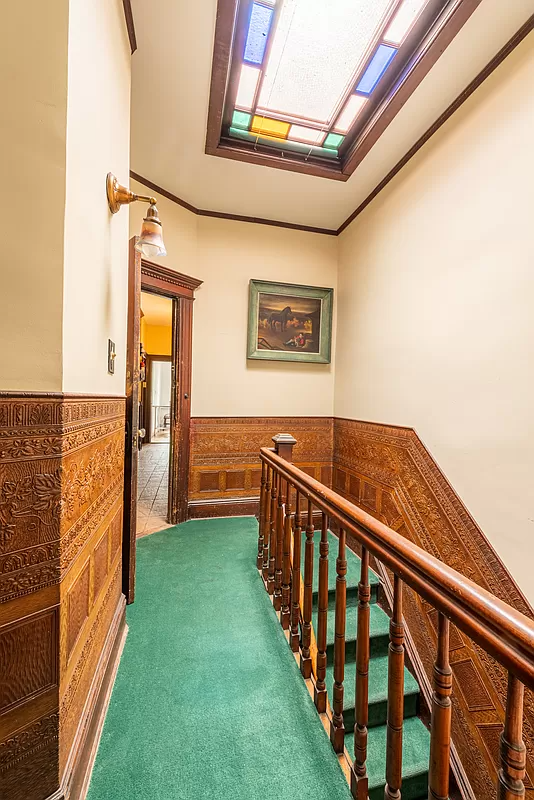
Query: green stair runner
x=416, y=739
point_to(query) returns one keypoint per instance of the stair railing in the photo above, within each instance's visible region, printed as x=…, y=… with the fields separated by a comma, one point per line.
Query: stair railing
x=499, y=629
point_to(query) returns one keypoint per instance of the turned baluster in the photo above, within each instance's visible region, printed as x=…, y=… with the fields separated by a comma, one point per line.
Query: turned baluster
x=279, y=551
x=295, y=580
x=513, y=752
x=337, y=727
x=358, y=777
x=322, y=616
x=440, y=732
x=266, y=526
x=286, y=562
x=261, y=527
x=272, y=533
x=395, y=714
x=305, y=656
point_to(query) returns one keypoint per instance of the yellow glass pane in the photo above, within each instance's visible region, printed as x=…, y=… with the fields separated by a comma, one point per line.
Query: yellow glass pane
x=270, y=127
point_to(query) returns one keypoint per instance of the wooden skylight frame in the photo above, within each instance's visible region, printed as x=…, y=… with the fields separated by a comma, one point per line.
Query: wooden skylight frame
x=433, y=31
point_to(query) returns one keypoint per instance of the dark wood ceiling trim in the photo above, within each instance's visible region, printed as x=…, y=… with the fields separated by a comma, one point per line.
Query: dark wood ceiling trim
x=398, y=97
x=126, y=4
x=490, y=67
x=221, y=215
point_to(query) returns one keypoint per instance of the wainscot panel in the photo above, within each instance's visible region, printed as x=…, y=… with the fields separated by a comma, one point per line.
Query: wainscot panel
x=388, y=472
x=61, y=608
x=225, y=468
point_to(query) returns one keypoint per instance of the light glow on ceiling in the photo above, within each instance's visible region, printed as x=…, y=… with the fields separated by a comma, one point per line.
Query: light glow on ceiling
x=316, y=50
x=403, y=20
x=248, y=81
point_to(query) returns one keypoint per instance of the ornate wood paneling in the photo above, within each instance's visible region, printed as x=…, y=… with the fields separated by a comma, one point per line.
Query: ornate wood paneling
x=225, y=469
x=61, y=475
x=388, y=472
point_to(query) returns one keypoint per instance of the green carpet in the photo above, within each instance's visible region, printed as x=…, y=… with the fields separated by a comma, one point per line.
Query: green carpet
x=209, y=702
x=416, y=739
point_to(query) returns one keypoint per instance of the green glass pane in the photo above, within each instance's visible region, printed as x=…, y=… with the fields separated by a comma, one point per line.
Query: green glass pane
x=333, y=140
x=279, y=144
x=241, y=120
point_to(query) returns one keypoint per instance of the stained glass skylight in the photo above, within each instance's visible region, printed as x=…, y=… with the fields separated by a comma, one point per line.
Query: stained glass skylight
x=310, y=68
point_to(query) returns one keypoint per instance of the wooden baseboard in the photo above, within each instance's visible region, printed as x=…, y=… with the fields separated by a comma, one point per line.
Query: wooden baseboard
x=77, y=775
x=231, y=507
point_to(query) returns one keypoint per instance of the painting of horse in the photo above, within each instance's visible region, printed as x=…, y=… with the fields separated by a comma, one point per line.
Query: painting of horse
x=288, y=322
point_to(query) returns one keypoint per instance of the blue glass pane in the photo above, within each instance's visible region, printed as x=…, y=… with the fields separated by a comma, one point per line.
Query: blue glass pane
x=378, y=65
x=258, y=30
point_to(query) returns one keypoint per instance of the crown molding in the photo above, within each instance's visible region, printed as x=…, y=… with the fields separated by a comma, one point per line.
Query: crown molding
x=128, y=15
x=201, y=212
x=490, y=67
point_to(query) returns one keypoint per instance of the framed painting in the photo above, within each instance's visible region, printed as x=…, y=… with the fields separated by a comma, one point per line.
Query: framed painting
x=287, y=322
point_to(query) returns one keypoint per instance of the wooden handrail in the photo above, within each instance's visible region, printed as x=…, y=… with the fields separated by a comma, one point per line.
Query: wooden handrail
x=498, y=628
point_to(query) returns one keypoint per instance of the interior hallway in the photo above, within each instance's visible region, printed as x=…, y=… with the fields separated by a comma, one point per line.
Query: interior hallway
x=209, y=701
x=152, y=488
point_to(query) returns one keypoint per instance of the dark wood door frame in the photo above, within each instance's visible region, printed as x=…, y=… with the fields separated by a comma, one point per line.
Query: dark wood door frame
x=131, y=444
x=181, y=288
x=143, y=274
x=147, y=393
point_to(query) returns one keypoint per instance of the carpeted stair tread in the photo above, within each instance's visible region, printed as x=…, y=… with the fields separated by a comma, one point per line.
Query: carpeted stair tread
x=353, y=566
x=415, y=755
x=204, y=643
x=378, y=691
x=378, y=630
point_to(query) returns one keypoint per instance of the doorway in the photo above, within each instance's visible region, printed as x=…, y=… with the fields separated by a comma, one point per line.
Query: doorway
x=155, y=379
x=166, y=469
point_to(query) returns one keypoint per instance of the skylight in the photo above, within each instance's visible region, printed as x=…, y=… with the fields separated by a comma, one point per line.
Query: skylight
x=311, y=83
x=308, y=66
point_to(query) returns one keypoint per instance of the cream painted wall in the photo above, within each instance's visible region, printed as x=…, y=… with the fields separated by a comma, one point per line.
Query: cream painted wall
x=435, y=312
x=33, y=66
x=96, y=243
x=225, y=254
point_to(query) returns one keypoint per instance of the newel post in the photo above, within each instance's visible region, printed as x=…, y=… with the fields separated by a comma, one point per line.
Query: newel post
x=283, y=446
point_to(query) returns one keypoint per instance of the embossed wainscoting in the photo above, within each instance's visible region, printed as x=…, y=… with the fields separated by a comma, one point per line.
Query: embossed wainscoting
x=225, y=471
x=62, y=619
x=388, y=472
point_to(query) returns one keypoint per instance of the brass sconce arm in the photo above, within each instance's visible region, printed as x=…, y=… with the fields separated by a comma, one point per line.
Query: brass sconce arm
x=119, y=195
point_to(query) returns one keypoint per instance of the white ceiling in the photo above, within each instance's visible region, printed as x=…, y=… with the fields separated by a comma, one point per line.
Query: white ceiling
x=171, y=73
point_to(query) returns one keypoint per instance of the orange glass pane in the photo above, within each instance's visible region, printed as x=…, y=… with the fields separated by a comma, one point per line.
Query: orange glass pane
x=270, y=127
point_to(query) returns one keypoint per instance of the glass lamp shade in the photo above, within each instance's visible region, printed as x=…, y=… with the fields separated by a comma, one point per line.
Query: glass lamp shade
x=150, y=242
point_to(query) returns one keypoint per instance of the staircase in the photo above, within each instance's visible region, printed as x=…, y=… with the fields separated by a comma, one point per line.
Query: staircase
x=416, y=738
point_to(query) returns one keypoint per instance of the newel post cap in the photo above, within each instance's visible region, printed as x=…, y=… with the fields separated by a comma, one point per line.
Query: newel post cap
x=283, y=445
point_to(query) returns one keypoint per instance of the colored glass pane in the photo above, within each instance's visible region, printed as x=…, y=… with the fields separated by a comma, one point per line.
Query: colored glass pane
x=316, y=50
x=301, y=133
x=353, y=107
x=241, y=120
x=246, y=90
x=384, y=54
x=270, y=127
x=333, y=141
x=258, y=31
x=283, y=144
x=406, y=14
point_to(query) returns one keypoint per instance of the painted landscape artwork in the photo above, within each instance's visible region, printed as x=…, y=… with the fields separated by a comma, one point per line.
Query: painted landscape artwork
x=289, y=322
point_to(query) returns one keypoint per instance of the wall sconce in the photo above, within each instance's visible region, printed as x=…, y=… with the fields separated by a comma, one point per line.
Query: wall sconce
x=150, y=242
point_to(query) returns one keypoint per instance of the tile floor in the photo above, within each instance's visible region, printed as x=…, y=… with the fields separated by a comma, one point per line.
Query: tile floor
x=152, y=488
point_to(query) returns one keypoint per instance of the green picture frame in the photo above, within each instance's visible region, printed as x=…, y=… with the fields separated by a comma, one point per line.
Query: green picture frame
x=289, y=322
